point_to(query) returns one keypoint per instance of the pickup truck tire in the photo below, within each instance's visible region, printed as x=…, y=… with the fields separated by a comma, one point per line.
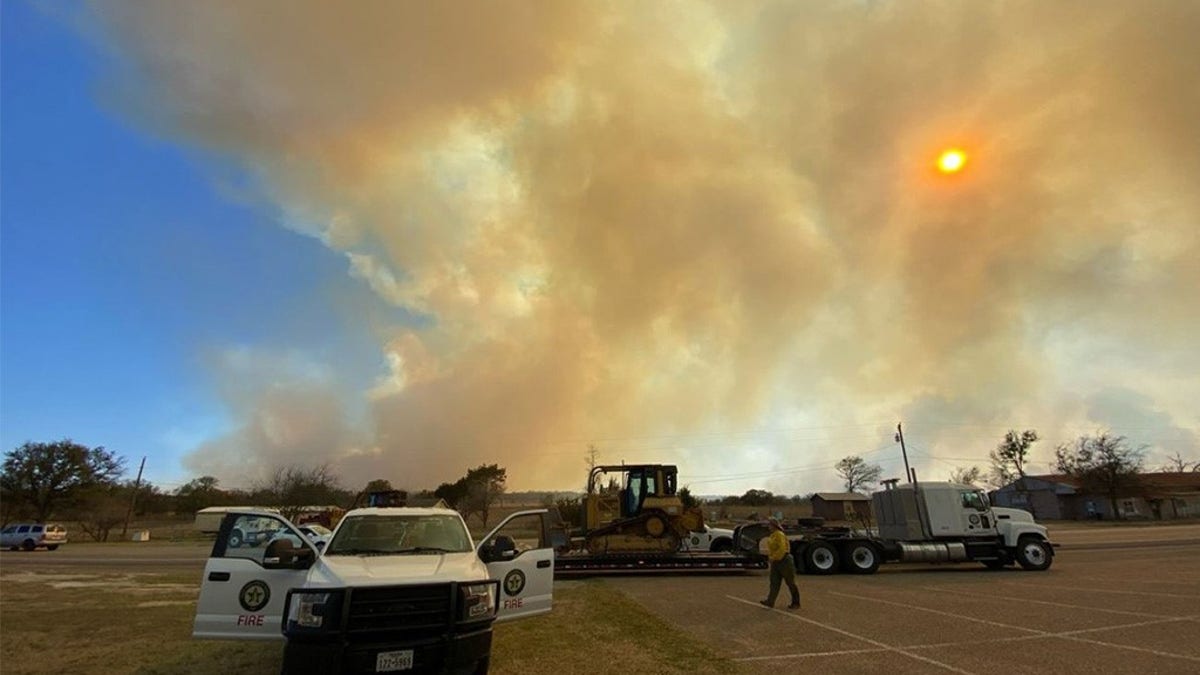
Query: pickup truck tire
x=52, y=547
x=820, y=558
x=28, y=545
x=722, y=546
x=1033, y=553
x=861, y=558
x=235, y=539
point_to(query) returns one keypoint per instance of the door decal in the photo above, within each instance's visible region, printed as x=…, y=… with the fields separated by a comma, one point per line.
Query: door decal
x=255, y=595
x=514, y=582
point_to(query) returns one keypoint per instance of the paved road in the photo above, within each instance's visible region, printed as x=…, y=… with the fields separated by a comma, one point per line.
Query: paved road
x=1120, y=610
x=110, y=557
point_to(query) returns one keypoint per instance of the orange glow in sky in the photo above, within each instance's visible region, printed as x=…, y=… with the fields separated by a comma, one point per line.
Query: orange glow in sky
x=951, y=161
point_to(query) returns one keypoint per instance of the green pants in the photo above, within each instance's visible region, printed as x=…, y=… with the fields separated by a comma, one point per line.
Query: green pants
x=783, y=570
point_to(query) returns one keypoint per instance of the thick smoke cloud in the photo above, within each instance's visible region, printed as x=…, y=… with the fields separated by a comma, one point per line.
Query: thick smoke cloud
x=658, y=226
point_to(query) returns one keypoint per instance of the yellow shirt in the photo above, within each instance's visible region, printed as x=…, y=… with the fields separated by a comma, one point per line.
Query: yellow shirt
x=777, y=546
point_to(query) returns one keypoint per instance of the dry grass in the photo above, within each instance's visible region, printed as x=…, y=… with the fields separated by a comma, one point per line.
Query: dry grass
x=73, y=621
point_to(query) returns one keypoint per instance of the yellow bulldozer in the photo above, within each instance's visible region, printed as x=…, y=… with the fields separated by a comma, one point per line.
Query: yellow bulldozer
x=634, y=508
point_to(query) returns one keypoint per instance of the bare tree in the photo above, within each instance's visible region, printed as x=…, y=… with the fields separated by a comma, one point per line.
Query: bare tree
x=1177, y=464
x=967, y=476
x=1009, y=460
x=857, y=474
x=1103, y=464
x=292, y=488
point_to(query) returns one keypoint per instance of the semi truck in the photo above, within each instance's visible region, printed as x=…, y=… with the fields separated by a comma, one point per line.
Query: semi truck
x=919, y=523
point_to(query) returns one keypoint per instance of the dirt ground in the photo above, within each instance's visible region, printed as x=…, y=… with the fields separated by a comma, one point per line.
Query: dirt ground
x=1116, y=600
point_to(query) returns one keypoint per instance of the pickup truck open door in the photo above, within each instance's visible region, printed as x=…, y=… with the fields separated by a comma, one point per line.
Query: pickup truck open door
x=257, y=557
x=519, y=553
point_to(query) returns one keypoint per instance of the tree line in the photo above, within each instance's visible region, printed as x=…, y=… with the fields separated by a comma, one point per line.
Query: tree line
x=69, y=481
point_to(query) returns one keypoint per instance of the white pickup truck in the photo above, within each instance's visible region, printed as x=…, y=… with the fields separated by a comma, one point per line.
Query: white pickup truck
x=395, y=589
x=713, y=539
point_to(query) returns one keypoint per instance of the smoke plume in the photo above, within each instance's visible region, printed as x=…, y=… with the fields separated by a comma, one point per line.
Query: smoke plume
x=709, y=233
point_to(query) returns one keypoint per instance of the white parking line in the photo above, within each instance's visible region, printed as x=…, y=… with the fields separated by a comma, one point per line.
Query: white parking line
x=1194, y=585
x=1049, y=587
x=1041, y=633
x=965, y=643
x=868, y=640
x=1044, y=602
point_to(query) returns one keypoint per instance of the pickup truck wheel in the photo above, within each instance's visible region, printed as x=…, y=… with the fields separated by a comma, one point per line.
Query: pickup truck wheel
x=28, y=545
x=821, y=558
x=861, y=558
x=722, y=546
x=1033, y=554
x=235, y=539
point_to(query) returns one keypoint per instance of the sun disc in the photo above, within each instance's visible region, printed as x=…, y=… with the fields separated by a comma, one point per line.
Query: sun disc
x=952, y=161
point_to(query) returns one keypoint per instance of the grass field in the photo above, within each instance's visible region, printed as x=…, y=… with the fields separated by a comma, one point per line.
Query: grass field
x=68, y=621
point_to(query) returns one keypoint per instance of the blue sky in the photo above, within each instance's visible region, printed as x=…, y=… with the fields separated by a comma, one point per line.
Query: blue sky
x=698, y=235
x=124, y=263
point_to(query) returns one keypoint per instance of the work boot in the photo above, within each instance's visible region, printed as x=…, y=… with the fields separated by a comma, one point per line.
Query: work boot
x=766, y=604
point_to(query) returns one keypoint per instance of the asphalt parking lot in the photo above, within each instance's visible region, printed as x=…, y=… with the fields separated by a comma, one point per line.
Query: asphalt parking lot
x=1104, y=607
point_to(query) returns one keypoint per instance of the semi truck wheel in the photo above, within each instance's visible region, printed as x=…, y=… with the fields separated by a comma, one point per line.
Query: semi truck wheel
x=861, y=558
x=1033, y=554
x=821, y=558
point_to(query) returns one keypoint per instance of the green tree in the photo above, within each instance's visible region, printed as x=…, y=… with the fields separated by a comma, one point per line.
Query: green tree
x=453, y=493
x=857, y=474
x=484, y=485
x=199, y=493
x=1103, y=464
x=378, y=485
x=755, y=497
x=48, y=476
x=685, y=496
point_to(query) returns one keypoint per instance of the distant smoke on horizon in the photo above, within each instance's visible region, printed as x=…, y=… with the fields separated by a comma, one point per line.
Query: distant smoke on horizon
x=708, y=234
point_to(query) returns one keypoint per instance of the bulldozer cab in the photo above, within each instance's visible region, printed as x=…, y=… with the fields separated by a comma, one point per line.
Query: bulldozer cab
x=646, y=481
x=637, y=486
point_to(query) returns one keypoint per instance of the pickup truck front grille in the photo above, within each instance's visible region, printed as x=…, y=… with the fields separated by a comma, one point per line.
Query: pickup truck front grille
x=410, y=608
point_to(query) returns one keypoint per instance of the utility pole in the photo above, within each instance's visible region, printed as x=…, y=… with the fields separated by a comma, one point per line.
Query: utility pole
x=133, y=498
x=903, y=451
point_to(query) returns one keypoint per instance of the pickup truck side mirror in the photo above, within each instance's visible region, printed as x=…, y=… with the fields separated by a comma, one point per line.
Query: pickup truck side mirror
x=282, y=554
x=500, y=548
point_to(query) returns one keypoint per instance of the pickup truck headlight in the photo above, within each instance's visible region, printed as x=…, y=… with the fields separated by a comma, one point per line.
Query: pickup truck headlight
x=479, y=600
x=313, y=610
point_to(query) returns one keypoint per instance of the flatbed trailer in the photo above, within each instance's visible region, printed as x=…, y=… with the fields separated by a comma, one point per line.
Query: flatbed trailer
x=585, y=564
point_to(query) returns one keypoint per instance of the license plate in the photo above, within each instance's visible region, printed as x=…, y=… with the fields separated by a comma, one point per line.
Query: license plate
x=386, y=662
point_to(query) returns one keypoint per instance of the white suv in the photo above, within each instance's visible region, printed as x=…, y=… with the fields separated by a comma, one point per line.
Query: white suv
x=29, y=536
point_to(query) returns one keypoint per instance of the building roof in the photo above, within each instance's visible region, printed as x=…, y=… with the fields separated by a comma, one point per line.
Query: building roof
x=1159, y=481
x=841, y=497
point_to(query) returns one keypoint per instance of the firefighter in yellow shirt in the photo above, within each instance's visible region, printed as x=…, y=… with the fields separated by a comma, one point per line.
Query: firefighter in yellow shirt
x=783, y=566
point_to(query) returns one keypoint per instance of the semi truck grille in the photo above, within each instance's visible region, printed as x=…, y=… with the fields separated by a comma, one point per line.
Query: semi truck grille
x=415, y=608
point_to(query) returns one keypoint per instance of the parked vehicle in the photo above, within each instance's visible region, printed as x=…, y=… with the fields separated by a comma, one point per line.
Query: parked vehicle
x=29, y=536
x=921, y=522
x=396, y=588
x=317, y=534
x=715, y=539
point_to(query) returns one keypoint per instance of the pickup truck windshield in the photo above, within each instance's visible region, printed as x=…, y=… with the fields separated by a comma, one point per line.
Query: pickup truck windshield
x=399, y=535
